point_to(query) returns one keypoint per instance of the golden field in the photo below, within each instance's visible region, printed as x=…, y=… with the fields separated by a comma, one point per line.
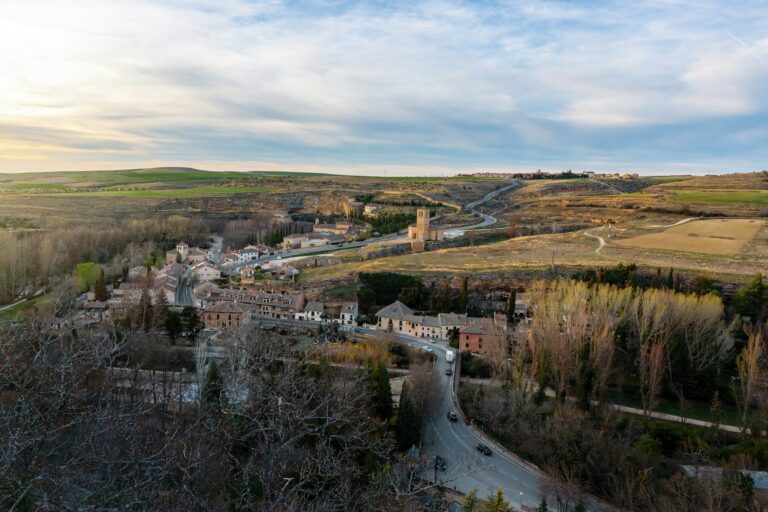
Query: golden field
x=715, y=236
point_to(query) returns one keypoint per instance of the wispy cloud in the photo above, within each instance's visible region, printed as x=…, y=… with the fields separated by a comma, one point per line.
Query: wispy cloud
x=361, y=86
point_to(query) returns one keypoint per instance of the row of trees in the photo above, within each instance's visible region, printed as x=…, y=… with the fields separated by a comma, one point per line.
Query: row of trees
x=588, y=335
x=32, y=260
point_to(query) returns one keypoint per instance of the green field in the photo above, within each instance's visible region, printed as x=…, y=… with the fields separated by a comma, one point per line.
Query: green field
x=167, y=193
x=751, y=197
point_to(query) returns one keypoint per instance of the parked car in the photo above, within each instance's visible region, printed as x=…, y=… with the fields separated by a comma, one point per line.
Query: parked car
x=452, y=416
x=484, y=449
x=448, y=371
x=440, y=463
x=427, y=349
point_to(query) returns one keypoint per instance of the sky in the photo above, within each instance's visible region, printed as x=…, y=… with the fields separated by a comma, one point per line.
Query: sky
x=384, y=87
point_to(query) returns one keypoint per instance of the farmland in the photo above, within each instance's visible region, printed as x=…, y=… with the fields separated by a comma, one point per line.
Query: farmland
x=721, y=236
x=751, y=197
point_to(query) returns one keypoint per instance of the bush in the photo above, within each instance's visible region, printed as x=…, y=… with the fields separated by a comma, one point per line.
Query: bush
x=474, y=367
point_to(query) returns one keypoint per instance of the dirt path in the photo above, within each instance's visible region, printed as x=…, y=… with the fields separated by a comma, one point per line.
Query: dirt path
x=675, y=224
x=599, y=238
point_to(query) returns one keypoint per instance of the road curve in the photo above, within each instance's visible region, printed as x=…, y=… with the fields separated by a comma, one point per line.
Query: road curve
x=467, y=468
x=488, y=220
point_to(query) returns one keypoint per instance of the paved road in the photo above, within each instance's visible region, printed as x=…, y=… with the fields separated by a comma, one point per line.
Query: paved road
x=488, y=219
x=466, y=468
x=184, y=290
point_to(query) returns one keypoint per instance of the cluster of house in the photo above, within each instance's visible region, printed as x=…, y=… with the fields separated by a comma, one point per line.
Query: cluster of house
x=322, y=234
x=249, y=253
x=475, y=334
x=230, y=308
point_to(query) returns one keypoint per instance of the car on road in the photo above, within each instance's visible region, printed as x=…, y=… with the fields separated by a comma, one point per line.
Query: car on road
x=452, y=416
x=426, y=349
x=440, y=463
x=448, y=372
x=484, y=449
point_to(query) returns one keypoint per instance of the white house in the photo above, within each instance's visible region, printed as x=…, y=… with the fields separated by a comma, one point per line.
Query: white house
x=206, y=272
x=313, y=311
x=348, y=313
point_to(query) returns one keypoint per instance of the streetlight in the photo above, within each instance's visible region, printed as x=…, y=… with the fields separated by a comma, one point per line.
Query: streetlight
x=521, y=501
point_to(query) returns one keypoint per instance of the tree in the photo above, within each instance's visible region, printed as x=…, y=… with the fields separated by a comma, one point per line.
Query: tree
x=453, y=337
x=470, y=503
x=378, y=382
x=585, y=377
x=495, y=502
x=464, y=295
x=213, y=387
x=511, y=304
x=173, y=325
x=651, y=370
x=749, y=364
x=543, y=505
x=752, y=300
x=100, y=288
x=194, y=325
x=87, y=274
x=408, y=427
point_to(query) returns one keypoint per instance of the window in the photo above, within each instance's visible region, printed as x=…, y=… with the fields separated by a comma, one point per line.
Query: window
x=466, y=345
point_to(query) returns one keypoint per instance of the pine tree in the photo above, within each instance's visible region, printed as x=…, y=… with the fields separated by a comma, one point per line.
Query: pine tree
x=408, y=429
x=543, y=505
x=100, y=288
x=470, y=503
x=173, y=326
x=464, y=295
x=213, y=386
x=378, y=381
x=496, y=502
x=511, y=304
x=671, y=279
x=585, y=377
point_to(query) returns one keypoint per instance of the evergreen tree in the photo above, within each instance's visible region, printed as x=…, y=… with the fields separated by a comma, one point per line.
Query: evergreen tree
x=543, y=505
x=496, y=502
x=511, y=304
x=585, y=377
x=378, y=380
x=194, y=325
x=100, y=288
x=453, y=337
x=213, y=386
x=464, y=295
x=408, y=428
x=160, y=312
x=671, y=279
x=470, y=503
x=173, y=326
x=579, y=507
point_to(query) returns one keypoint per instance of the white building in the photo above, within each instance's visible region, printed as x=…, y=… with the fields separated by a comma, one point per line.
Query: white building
x=348, y=314
x=206, y=272
x=313, y=311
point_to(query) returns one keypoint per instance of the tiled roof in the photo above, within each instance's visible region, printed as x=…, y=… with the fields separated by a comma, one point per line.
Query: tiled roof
x=396, y=310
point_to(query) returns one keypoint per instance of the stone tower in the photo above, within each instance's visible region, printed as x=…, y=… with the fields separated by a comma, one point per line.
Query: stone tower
x=422, y=224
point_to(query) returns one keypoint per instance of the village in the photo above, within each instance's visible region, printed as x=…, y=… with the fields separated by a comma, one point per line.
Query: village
x=253, y=285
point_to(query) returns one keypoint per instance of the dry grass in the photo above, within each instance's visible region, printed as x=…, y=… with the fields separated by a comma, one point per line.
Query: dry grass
x=719, y=237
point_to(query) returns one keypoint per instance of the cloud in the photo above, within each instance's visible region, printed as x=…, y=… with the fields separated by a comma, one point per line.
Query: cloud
x=359, y=85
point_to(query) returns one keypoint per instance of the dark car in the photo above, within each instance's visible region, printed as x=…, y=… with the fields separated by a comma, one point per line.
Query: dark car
x=440, y=463
x=448, y=371
x=452, y=416
x=484, y=449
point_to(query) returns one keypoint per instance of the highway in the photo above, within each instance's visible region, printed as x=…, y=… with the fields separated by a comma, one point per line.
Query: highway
x=466, y=467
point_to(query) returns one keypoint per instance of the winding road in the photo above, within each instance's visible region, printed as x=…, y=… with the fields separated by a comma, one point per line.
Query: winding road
x=466, y=467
